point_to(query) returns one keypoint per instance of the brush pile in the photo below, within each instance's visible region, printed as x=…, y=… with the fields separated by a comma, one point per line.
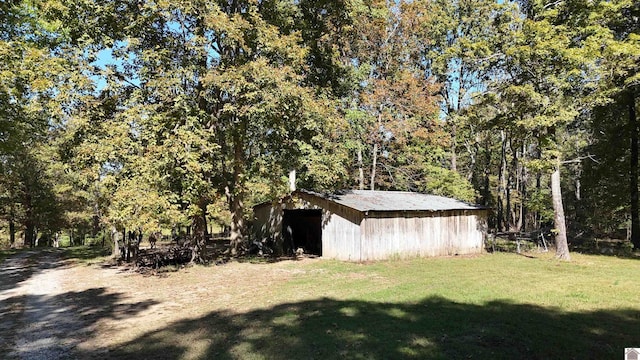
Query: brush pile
x=163, y=256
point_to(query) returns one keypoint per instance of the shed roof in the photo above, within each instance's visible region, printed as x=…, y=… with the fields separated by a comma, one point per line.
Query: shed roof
x=367, y=200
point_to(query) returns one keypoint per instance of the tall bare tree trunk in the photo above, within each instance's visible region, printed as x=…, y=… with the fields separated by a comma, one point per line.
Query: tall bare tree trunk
x=522, y=188
x=502, y=182
x=487, y=173
x=510, y=212
x=360, y=170
x=633, y=173
x=237, y=222
x=373, y=166
x=562, y=247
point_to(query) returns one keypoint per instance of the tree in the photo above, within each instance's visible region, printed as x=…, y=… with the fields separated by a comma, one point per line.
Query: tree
x=390, y=105
x=457, y=44
x=618, y=33
x=38, y=82
x=544, y=76
x=210, y=96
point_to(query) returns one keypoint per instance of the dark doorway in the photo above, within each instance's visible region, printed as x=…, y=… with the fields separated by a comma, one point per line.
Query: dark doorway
x=302, y=229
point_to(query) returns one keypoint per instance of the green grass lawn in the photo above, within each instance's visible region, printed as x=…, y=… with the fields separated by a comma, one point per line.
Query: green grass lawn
x=85, y=254
x=501, y=306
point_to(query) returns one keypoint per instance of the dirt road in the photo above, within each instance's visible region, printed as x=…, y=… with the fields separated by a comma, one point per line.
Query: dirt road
x=36, y=324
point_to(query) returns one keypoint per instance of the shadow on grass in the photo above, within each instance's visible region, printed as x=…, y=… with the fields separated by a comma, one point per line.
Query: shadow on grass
x=434, y=328
x=255, y=259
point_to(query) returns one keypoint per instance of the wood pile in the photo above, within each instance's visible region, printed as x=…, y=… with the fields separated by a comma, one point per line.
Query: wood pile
x=163, y=256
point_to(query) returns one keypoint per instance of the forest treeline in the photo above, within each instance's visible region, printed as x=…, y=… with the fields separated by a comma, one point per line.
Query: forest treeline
x=150, y=115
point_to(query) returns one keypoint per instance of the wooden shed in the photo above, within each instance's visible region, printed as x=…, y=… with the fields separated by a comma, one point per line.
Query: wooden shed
x=361, y=225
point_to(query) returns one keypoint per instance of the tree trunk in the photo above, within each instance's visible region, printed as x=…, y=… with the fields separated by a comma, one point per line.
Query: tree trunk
x=95, y=226
x=522, y=181
x=28, y=234
x=114, y=236
x=633, y=180
x=237, y=220
x=454, y=144
x=205, y=223
x=501, y=182
x=486, y=198
x=373, y=166
x=235, y=196
x=12, y=233
x=537, y=154
x=129, y=240
x=510, y=211
x=360, y=170
x=136, y=245
x=123, y=248
x=198, y=250
x=562, y=248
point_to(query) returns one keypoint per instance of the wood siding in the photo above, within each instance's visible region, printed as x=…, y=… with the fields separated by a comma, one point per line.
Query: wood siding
x=423, y=234
x=341, y=239
x=267, y=222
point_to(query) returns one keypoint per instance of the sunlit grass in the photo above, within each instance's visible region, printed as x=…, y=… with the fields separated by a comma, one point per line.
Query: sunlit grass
x=586, y=283
x=85, y=254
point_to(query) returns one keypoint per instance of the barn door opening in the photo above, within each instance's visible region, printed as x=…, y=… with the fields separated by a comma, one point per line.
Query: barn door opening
x=302, y=228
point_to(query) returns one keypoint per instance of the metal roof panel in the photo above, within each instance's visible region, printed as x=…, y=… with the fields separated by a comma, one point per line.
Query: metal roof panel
x=367, y=200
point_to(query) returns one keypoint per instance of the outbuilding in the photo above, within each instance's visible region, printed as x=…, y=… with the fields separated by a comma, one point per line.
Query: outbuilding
x=362, y=225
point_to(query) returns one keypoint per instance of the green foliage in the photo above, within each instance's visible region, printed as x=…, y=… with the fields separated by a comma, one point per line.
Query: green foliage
x=440, y=181
x=39, y=82
x=205, y=103
x=539, y=201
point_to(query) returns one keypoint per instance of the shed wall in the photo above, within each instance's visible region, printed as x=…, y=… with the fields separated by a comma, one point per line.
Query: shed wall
x=341, y=239
x=423, y=234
